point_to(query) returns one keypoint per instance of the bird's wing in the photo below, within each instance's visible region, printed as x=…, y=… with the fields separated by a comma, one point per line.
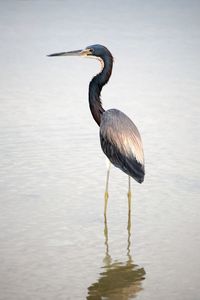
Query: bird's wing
x=121, y=142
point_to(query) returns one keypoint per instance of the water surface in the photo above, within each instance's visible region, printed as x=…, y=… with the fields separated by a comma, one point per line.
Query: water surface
x=54, y=243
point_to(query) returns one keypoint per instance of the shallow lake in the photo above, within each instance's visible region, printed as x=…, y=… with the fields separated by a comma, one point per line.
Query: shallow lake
x=54, y=243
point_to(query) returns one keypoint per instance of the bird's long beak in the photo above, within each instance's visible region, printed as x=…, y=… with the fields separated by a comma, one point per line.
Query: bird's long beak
x=73, y=53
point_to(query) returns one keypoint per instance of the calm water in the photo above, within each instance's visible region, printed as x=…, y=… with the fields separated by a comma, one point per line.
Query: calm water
x=53, y=240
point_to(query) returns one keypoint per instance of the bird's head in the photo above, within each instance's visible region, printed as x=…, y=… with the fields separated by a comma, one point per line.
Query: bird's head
x=94, y=51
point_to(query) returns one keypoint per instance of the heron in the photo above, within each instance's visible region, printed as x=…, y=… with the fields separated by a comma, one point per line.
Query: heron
x=119, y=137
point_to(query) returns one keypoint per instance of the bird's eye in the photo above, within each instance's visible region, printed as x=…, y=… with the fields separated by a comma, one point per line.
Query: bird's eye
x=91, y=51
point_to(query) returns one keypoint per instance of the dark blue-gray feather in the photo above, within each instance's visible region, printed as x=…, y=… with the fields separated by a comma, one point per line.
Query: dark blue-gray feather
x=121, y=143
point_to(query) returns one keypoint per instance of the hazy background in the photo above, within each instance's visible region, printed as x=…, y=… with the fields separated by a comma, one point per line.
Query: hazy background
x=52, y=170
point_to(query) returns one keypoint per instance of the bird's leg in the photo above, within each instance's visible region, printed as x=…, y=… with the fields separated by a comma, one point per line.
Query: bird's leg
x=106, y=190
x=129, y=195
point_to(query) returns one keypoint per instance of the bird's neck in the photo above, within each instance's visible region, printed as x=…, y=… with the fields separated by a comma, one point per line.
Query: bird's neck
x=95, y=88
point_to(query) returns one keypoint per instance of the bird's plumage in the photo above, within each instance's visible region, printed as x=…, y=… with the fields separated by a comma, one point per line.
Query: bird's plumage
x=121, y=143
x=119, y=137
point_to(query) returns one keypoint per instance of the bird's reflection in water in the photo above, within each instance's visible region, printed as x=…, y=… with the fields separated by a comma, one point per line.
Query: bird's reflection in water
x=119, y=280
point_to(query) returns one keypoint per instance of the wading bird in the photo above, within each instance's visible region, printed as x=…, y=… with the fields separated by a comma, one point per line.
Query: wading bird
x=119, y=137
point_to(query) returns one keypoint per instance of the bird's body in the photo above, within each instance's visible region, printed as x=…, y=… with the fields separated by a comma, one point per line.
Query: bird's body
x=121, y=143
x=119, y=137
